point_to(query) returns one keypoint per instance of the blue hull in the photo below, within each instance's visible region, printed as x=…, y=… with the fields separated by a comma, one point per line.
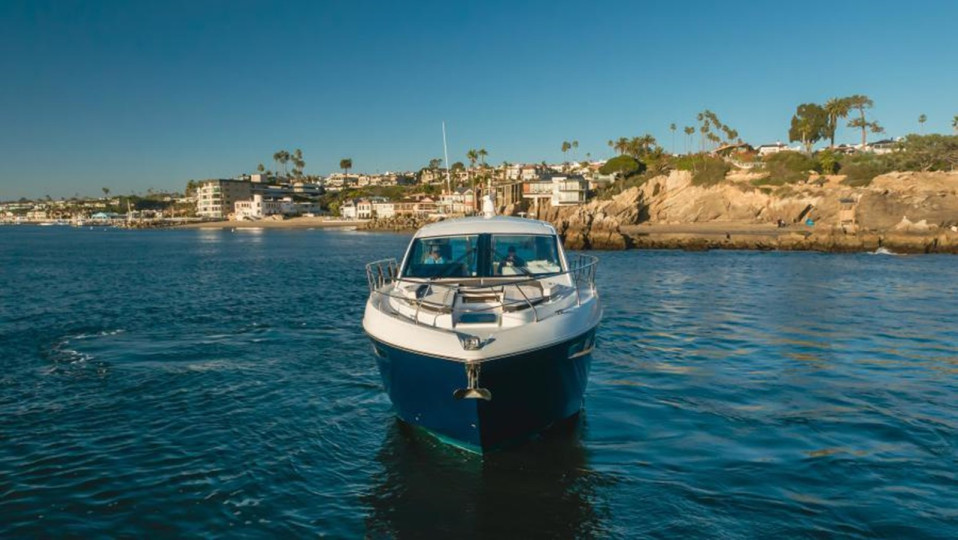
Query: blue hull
x=530, y=391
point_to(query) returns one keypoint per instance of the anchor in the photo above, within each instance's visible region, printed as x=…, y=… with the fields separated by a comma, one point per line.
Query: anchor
x=472, y=390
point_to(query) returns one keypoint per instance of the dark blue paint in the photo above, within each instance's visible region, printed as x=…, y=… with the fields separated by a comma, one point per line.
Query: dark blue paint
x=530, y=392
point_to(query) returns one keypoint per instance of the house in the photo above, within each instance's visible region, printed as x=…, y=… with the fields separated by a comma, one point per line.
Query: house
x=537, y=191
x=258, y=207
x=769, y=149
x=364, y=209
x=384, y=209
x=348, y=210
x=884, y=146
x=508, y=194
x=558, y=190
x=567, y=190
x=460, y=201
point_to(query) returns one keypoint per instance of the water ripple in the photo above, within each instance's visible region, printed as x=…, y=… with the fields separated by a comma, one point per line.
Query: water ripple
x=194, y=382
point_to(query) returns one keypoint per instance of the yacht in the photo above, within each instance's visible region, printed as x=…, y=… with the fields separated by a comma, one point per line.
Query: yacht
x=484, y=332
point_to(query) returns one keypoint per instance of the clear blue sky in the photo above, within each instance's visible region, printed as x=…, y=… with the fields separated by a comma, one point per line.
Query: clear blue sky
x=138, y=95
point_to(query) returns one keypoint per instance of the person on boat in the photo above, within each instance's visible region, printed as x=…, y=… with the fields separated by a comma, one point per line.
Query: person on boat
x=434, y=257
x=512, y=259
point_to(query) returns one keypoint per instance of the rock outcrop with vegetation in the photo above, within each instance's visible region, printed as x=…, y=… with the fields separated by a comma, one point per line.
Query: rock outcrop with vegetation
x=915, y=211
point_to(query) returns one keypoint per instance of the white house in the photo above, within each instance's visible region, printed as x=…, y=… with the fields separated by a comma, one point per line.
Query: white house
x=257, y=207
x=768, y=149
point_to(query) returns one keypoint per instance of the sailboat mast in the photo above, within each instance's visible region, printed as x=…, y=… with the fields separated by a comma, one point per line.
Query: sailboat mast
x=445, y=152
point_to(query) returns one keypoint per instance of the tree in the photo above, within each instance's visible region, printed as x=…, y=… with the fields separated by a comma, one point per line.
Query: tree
x=954, y=123
x=809, y=125
x=621, y=165
x=472, y=155
x=345, y=164
x=260, y=168
x=298, y=163
x=575, y=147
x=565, y=148
x=672, y=128
x=860, y=103
x=921, y=122
x=689, y=131
x=930, y=152
x=106, y=192
x=276, y=159
x=835, y=108
x=482, y=156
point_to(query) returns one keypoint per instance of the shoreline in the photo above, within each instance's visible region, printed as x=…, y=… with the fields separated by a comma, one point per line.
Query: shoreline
x=759, y=237
x=689, y=236
x=292, y=223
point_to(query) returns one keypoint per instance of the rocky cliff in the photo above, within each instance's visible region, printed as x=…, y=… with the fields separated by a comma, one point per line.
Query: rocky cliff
x=893, y=205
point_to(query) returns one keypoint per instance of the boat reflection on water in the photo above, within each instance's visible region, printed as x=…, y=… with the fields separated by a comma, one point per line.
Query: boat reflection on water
x=542, y=489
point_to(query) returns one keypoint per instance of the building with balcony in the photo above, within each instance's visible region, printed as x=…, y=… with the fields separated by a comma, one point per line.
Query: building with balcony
x=218, y=198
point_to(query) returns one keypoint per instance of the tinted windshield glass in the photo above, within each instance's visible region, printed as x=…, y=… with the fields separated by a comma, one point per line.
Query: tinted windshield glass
x=444, y=257
x=482, y=256
x=524, y=255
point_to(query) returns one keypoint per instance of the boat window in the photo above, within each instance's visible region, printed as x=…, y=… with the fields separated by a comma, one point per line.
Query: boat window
x=442, y=257
x=524, y=255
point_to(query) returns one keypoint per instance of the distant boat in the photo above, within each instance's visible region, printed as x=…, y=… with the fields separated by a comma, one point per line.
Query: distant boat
x=484, y=333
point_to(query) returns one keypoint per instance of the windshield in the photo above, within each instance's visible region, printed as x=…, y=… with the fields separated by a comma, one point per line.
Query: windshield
x=524, y=255
x=446, y=256
x=482, y=256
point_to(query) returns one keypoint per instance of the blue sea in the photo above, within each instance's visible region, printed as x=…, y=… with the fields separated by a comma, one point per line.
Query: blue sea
x=211, y=383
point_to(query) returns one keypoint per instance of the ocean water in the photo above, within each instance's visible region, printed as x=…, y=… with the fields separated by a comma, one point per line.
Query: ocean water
x=209, y=382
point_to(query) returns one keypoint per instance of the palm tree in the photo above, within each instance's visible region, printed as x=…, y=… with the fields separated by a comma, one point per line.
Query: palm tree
x=106, y=192
x=861, y=103
x=260, y=168
x=835, y=108
x=277, y=156
x=673, y=127
x=921, y=121
x=565, y=148
x=611, y=144
x=689, y=131
x=345, y=164
x=575, y=146
x=482, y=156
x=473, y=155
x=298, y=163
x=954, y=123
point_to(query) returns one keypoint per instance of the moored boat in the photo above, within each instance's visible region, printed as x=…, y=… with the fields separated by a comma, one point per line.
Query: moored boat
x=484, y=332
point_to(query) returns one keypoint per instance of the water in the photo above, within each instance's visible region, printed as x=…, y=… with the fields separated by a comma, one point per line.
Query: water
x=208, y=382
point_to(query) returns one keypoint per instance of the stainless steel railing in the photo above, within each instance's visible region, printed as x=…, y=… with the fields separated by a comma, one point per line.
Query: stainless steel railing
x=440, y=296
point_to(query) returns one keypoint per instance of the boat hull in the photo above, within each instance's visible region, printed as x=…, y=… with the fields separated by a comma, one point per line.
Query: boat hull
x=529, y=391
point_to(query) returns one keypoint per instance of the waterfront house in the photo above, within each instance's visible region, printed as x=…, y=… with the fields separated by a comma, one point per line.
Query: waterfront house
x=258, y=207
x=348, y=210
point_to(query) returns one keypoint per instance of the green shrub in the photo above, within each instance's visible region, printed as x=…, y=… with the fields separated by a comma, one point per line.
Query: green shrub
x=861, y=169
x=706, y=170
x=828, y=162
x=789, y=167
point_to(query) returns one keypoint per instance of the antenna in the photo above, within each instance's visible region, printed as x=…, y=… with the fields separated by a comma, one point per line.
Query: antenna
x=445, y=152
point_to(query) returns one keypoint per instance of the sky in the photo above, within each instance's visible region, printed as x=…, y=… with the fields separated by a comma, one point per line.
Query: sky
x=144, y=95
